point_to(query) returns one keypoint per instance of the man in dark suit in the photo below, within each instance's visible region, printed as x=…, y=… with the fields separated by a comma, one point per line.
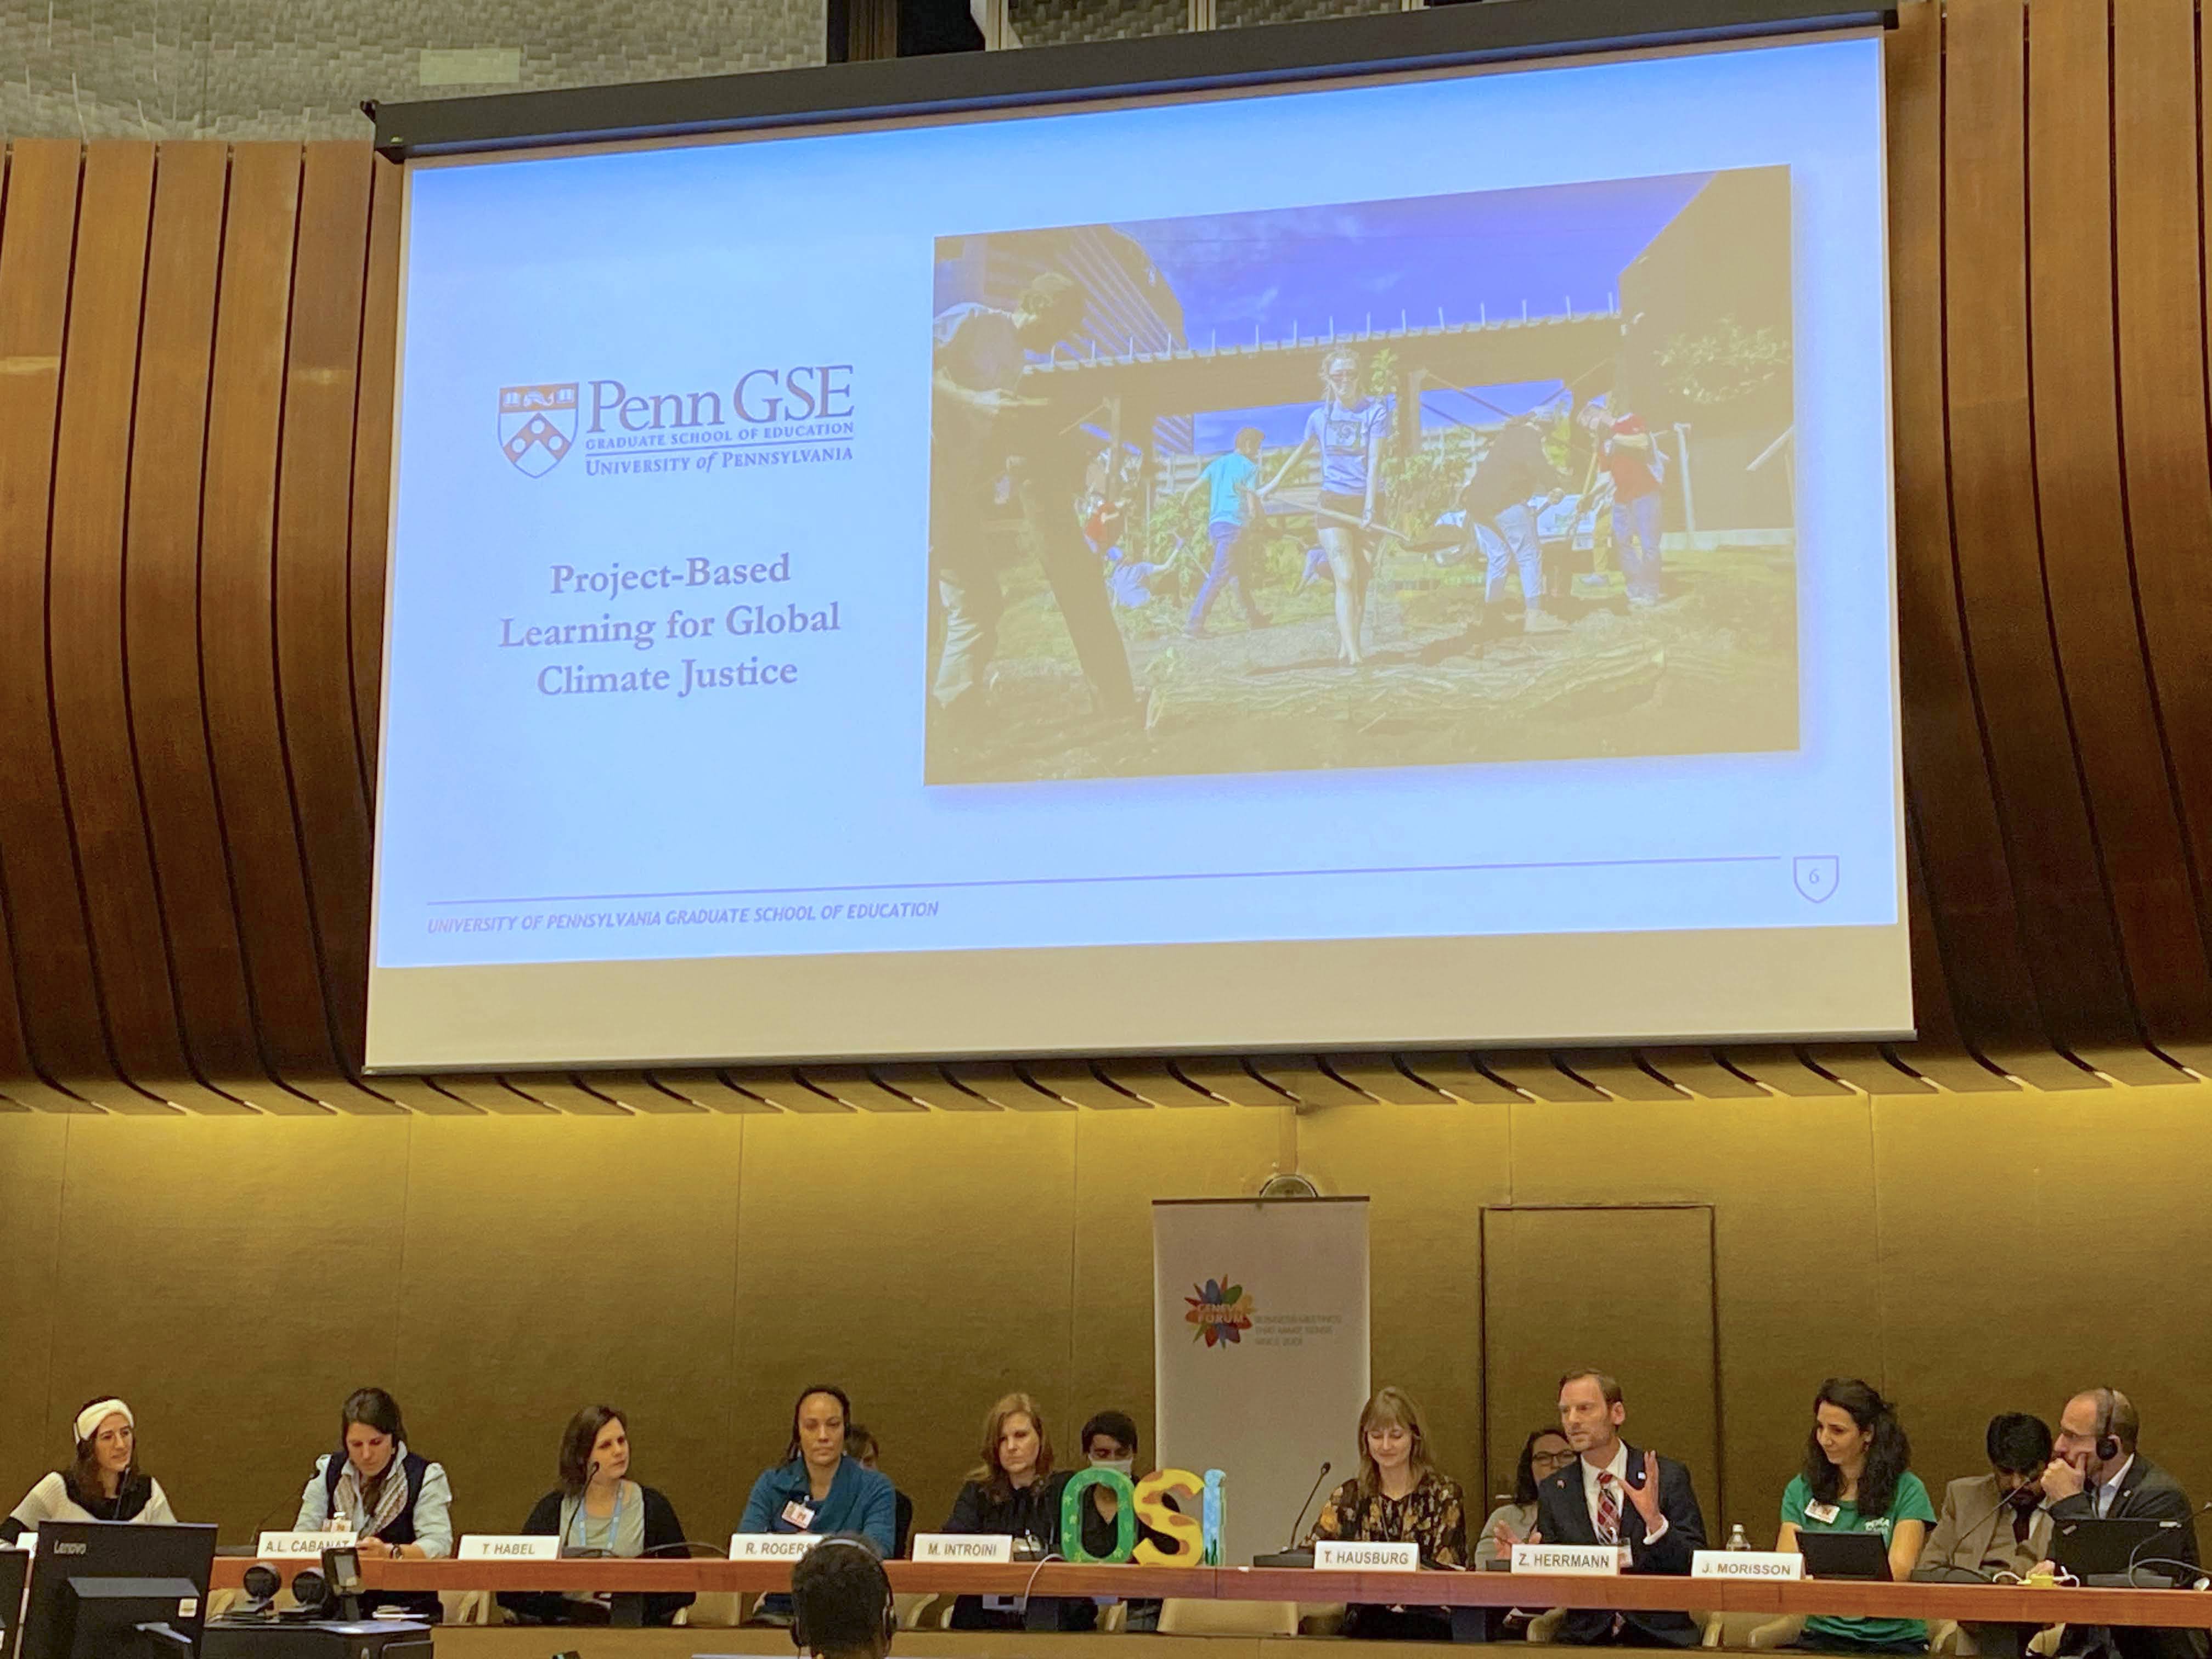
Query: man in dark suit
x=2095, y=1472
x=1613, y=1494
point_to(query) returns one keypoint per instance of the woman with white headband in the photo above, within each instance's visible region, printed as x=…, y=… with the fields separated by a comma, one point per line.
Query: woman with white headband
x=104, y=1483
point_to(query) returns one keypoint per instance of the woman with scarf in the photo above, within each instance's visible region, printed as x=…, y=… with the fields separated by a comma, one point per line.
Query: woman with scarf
x=397, y=1501
x=103, y=1482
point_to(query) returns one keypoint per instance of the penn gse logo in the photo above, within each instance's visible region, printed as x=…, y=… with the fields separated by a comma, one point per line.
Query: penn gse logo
x=537, y=426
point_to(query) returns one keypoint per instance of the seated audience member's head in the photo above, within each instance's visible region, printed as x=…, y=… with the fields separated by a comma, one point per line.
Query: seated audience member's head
x=840, y=1601
x=1109, y=1442
x=1543, y=1454
x=2018, y=1447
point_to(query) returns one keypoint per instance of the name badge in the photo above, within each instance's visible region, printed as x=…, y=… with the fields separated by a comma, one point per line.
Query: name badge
x=508, y=1547
x=1571, y=1560
x=295, y=1546
x=964, y=1546
x=799, y=1515
x=1747, y=1564
x=1343, y=1553
x=771, y=1546
x=1826, y=1514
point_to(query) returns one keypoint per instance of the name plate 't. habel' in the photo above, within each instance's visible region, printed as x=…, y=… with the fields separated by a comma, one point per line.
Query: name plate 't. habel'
x=1747, y=1564
x=508, y=1547
x=964, y=1546
x=771, y=1546
x=297, y=1545
x=1571, y=1560
x=1347, y=1555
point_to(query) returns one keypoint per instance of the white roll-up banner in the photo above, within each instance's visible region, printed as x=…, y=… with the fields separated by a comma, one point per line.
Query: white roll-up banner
x=1260, y=1351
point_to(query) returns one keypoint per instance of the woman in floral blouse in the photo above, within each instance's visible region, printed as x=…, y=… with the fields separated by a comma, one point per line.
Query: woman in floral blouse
x=1397, y=1498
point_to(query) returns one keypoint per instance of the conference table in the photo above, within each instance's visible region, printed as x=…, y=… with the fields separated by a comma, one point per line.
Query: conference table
x=1468, y=1593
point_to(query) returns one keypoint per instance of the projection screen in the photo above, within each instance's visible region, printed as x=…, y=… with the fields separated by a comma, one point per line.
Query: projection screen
x=1402, y=562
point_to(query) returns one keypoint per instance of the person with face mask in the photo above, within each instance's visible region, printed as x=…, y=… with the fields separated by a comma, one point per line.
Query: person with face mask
x=397, y=1501
x=1109, y=1442
x=103, y=1483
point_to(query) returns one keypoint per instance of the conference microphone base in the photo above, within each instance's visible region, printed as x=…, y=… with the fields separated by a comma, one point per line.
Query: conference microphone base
x=1284, y=1558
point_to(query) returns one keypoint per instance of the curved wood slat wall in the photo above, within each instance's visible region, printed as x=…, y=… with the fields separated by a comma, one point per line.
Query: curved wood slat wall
x=197, y=342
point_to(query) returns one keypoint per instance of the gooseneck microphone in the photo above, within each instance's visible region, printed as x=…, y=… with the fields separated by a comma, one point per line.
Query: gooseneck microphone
x=583, y=1520
x=1295, y=1555
x=1300, y=1520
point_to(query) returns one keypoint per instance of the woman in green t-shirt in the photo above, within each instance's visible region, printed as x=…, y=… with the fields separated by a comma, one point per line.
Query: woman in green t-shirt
x=1855, y=1480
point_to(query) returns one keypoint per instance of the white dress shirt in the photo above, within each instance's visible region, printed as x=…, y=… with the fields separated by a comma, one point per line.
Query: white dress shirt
x=1618, y=1470
x=2109, y=1492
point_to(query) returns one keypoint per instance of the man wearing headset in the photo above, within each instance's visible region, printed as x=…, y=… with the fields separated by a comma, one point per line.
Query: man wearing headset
x=2095, y=1472
x=840, y=1601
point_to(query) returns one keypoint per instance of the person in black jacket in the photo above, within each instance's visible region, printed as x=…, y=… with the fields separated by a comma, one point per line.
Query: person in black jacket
x=1013, y=1492
x=1643, y=1500
x=2096, y=1473
x=597, y=1510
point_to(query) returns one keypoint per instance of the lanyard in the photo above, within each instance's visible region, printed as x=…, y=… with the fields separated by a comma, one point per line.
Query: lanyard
x=584, y=1519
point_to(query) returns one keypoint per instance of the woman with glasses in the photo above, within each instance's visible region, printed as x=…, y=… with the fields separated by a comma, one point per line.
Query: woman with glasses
x=1545, y=1453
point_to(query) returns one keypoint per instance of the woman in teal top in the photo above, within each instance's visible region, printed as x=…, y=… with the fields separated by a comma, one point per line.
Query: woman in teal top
x=817, y=1488
x=1855, y=1480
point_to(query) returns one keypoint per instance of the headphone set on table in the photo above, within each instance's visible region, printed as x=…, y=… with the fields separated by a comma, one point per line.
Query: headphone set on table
x=798, y=1637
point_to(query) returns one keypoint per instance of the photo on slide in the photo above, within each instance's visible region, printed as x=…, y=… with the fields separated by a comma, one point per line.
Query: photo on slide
x=1502, y=476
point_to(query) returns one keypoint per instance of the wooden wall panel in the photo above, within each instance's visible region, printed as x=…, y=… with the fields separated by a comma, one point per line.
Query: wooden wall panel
x=84, y=617
x=2065, y=924
x=2081, y=518
x=313, y=531
x=54, y=980
x=372, y=466
x=199, y=343
x=2158, y=228
x=1969, y=887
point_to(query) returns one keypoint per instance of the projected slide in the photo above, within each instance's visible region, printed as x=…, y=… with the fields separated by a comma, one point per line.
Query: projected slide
x=1247, y=562
x=1402, y=564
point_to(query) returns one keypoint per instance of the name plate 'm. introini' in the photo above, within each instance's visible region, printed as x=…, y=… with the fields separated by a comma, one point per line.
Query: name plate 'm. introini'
x=964, y=1546
x=1345, y=1554
x=1747, y=1564
x=771, y=1546
x=509, y=1546
x=1571, y=1560
x=293, y=1546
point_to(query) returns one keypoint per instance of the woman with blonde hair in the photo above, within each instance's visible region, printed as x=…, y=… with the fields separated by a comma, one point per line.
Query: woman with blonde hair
x=1398, y=1498
x=1013, y=1492
x=1348, y=430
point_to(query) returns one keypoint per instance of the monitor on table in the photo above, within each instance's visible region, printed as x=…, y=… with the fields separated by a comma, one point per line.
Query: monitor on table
x=107, y=1589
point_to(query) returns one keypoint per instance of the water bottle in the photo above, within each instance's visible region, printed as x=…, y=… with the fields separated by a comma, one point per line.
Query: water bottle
x=1737, y=1539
